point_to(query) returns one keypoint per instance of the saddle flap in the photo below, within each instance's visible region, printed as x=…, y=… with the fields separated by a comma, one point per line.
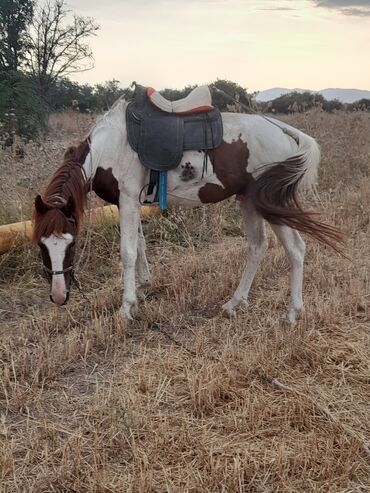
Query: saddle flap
x=161, y=142
x=203, y=131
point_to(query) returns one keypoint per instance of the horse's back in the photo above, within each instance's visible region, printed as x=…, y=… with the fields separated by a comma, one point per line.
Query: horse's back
x=265, y=137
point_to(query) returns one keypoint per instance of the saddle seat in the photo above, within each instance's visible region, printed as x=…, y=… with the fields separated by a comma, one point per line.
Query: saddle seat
x=197, y=101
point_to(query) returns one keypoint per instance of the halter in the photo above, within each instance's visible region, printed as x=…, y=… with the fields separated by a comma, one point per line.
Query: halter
x=70, y=268
x=56, y=272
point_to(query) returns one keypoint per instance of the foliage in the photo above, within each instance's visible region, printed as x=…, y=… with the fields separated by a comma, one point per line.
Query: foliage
x=106, y=94
x=15, y=17
x=18, y=93
x=305, y=100
x=64, y=92
x=228, y=92
x=362, y=104
x=294, y=102
x=223, y=93
x=98, y=98
x=174, y=94
x=332, y=105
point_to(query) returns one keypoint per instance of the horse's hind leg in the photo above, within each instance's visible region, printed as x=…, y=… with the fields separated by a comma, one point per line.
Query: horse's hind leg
x=257, y=246
x=295, y=249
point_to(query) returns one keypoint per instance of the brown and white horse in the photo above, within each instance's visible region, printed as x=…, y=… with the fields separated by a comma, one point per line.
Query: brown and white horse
x=258, y=162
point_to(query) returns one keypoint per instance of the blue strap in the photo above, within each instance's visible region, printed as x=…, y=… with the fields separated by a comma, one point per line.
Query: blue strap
x=162, y=190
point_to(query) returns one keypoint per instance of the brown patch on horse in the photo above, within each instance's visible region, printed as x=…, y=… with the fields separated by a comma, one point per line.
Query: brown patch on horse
x=105, y=186
x=64, y=196
x=229, y=163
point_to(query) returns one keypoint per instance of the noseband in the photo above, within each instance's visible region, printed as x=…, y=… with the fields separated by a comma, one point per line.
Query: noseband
x=56, y=272
x=70, y=268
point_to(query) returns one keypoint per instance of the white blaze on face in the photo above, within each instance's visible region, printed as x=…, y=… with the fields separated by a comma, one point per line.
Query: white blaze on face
x=57, y=246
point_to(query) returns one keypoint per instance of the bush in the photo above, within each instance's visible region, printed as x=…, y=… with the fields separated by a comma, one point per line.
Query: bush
x=227, y=93
x=332, y=105
x=18, y=94
x=62, y=94
x=106, y=94
x=222, y=98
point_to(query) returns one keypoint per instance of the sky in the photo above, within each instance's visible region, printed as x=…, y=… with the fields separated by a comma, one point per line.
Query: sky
x=310, y=44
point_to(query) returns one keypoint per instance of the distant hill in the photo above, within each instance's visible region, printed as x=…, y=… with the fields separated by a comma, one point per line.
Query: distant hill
x=343, y=95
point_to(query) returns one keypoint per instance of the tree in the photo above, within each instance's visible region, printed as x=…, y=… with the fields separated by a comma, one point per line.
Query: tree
x=56, y=48
x=173, y=94
x=227, y=94
x=64, y=91
x=106, y=94
x=333, y=104
x=230, y=93
x=18, y=94
x=296, y=101
x=15, y=17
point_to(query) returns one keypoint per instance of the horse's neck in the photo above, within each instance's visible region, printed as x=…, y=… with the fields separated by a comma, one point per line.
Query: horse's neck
x=109, y=132
x=88, y=167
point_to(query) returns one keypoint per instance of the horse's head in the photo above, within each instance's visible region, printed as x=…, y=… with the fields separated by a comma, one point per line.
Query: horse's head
x=55, y=231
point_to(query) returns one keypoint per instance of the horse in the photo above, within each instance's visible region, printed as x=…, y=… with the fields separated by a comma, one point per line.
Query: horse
x=261, y=161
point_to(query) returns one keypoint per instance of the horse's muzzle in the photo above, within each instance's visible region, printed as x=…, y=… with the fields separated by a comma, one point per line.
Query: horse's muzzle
x=60, y=302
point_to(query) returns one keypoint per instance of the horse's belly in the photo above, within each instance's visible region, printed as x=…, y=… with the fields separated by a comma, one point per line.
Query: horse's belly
x=186, y=183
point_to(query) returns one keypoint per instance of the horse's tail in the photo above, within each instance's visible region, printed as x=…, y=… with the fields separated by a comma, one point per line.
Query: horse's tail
x=275, y=193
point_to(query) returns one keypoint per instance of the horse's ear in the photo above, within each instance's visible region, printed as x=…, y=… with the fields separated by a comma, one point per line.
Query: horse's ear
x=70, y=154
x=40, y=205
x=69, y=208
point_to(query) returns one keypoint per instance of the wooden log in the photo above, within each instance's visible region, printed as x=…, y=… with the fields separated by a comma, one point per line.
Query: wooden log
x=15, y=234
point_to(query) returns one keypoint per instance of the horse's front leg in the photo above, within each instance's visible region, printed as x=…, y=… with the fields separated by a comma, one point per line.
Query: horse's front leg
x=129, y=225
x=142, y=266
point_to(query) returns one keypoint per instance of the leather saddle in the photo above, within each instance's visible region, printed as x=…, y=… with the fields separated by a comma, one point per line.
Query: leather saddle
x=160, y=130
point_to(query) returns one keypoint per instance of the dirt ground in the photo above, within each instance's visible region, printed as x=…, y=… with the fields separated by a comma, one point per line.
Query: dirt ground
x=183, y=399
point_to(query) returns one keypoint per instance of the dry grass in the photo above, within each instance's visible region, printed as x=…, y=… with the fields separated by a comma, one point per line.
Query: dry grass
x=184, y=400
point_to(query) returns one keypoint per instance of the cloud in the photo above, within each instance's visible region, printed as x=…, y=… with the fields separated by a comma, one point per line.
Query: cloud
x=343, y=3
x=278, y=9
x=358, y=8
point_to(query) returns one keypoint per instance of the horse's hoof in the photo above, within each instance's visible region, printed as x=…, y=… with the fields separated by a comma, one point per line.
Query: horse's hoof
x=228, y=309
x=124, y=314
x=129, y=311
x=292, y=316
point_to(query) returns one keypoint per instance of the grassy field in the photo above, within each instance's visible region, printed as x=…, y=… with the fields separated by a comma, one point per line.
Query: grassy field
x=184, y=400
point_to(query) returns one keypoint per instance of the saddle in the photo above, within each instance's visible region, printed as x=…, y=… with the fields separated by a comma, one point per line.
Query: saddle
x=160, y=130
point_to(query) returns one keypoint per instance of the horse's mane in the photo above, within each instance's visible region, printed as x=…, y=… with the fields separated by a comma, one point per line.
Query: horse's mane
x=67, y=188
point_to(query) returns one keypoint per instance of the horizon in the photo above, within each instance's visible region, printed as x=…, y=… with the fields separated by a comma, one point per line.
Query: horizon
x=259, y=44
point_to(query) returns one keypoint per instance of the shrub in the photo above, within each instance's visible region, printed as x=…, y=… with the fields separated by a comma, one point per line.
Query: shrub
x=18, y=94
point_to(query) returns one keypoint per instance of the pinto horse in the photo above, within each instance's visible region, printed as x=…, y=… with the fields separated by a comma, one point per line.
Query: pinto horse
x=261, y=161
